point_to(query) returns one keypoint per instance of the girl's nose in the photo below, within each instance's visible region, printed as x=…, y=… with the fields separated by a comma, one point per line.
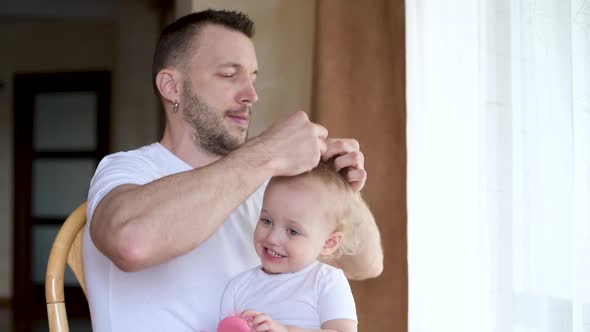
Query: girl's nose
x=273, y=237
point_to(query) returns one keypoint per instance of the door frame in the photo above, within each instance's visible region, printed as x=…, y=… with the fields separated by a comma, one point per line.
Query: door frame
x=29, y=299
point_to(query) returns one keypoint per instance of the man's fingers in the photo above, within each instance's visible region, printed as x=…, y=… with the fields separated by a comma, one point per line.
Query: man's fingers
x=356, y=175
x=354, y=160
x=356, y=178
x=296, y=143
x=323, y=147
x=347, y=159
x=340, y=146
x=322, y=132
x=299, y=115
x=302, y=117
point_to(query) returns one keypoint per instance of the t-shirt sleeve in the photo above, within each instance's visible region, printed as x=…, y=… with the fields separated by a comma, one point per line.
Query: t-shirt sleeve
x=113, y=171
x=335, y=297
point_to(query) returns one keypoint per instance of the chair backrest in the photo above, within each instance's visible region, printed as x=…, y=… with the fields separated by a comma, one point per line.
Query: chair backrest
x=67, y=248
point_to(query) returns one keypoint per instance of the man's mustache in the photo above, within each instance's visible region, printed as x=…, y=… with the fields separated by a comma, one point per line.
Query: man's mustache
x=242, y=112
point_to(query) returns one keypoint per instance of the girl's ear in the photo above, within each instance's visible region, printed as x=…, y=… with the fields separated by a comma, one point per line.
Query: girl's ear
x=331, y=244
x=169, y=84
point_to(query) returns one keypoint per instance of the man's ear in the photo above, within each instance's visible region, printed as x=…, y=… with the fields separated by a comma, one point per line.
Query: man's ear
x=169, y=84
x=331, y=244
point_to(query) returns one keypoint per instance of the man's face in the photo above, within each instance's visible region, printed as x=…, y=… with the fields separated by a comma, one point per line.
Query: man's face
x=218, y=92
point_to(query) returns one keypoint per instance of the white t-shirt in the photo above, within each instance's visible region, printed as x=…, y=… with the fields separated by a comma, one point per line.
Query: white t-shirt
x=306, y=298
x=183, y=294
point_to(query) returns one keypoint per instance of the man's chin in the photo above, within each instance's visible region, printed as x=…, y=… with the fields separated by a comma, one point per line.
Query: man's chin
x=237, y=141
x=240, y=135
x=244, y=138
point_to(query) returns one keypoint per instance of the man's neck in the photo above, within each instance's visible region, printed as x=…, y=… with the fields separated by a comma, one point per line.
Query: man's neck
x=185, y=148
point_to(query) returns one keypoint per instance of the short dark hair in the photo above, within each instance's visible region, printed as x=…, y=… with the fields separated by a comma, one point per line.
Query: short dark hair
x=176, y=39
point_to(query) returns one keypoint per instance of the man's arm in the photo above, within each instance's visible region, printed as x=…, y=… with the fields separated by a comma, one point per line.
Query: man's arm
x=368, y=263
x=139, y=226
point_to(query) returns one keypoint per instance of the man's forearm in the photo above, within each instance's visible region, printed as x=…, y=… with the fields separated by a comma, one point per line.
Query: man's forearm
x=142, y=226
x=368, y=262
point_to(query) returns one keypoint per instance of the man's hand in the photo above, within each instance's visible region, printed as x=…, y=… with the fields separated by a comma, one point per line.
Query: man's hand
x=261, y=322
x=293, y=145
x=348, y=160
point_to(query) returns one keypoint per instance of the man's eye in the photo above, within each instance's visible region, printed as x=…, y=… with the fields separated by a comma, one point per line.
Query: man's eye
x=227, y=75
x=292, y=232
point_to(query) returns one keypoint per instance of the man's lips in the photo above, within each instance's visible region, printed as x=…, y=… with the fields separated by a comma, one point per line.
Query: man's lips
x=241, y=121
x=239, y=117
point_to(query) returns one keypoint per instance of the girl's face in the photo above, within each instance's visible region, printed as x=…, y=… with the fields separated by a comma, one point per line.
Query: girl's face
x=294, y=226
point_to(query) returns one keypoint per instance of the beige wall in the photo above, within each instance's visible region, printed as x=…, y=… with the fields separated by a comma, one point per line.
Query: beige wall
x=135, y=116
x=123, y=44
x=284, y=42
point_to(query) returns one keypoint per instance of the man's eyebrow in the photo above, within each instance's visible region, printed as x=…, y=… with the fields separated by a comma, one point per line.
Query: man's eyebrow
x=235, y=66
x=230, y=64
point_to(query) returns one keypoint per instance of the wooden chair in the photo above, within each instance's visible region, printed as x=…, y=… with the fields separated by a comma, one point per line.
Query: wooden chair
x=67, y=247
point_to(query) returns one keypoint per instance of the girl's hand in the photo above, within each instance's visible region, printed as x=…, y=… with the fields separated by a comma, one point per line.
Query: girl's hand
x=261, y=322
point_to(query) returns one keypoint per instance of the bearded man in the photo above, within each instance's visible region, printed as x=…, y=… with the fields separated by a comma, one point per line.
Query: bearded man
x=172, y=222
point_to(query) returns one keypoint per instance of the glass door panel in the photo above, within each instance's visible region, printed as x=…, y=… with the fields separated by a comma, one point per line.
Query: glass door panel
x=42, y=240
x=65, y=121
x=60, y=185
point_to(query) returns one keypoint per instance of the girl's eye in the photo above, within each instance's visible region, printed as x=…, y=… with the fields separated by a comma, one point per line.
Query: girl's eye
x=265, y=222
x=292, y=232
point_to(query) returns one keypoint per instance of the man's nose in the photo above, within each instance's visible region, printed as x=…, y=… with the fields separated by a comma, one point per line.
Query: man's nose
x=247, y=94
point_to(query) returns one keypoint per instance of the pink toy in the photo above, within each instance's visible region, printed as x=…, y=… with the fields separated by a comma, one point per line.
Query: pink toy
x=233, y=324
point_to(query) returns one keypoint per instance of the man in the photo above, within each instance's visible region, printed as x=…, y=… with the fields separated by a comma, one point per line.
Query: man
x=172, y=222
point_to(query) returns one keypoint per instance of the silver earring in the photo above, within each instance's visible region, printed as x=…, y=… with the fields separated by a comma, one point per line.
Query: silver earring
x=175, y=106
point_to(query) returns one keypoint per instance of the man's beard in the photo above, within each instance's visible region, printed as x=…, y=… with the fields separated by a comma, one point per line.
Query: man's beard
x=210, y=133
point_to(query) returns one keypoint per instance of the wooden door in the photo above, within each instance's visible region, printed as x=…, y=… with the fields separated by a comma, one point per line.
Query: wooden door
x=61, y=123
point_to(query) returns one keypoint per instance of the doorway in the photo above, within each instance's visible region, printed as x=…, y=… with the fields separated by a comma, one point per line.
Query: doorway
x=61, y=132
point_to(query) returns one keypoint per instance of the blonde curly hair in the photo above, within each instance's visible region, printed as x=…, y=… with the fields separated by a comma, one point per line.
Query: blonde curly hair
x=343, y=207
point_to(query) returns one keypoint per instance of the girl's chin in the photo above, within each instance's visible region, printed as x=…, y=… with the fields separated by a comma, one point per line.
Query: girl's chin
x=268, y=271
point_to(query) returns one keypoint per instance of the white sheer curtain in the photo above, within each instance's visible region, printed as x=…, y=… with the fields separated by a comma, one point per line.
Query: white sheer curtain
x=498, y=165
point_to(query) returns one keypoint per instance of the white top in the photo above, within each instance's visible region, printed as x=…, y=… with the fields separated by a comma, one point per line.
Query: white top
x=306, y=298
x=183, y=294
